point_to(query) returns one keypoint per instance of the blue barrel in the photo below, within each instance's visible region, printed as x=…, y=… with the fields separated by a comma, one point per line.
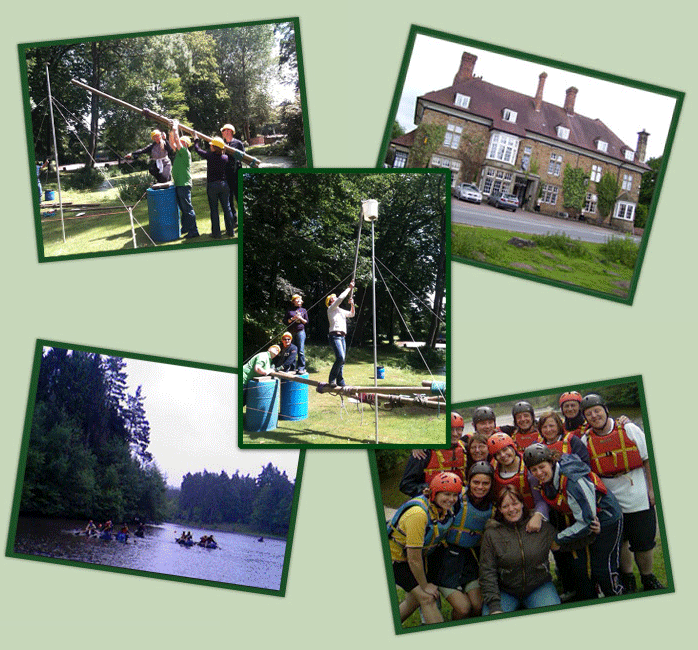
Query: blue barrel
x=50, y=195
x=381, y=372
x=163, y=214
x=262, y=412
x=294, y=399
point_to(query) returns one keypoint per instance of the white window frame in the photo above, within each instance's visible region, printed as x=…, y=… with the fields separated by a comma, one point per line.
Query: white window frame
x=596, y=172
x=549, y=194
x=555, y=164
x=509, y=116
x=629, y=154
x=452, y=136
x=590, y=203
x=627, y=183
x=602, y=146
x=563, y=133
x=496, y=180
x=503, y=147
x=462, y=100
x=625, y=210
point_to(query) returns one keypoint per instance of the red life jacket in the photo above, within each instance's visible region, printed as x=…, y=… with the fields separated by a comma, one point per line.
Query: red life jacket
x=579, y=431
x=523, y=440
x=519, y=481
x=613, y=454
x=564, y=445
x=560, y=502
x=446, y=460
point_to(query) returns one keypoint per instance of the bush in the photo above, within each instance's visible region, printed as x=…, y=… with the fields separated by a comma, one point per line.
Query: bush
x=417, y=357
x=621, y=251
x=560, y=242
x=133, y=187
x=82, y=179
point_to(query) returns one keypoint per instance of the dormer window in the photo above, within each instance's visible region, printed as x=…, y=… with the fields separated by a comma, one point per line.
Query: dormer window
x=602, y=146
x=509, y=116
x=462, y=100
x=629, y=154
x=563, y=133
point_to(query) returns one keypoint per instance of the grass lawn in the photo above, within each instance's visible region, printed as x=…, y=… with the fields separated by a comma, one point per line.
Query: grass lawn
x=112, y=232
x=605, y=268
x=330, y=423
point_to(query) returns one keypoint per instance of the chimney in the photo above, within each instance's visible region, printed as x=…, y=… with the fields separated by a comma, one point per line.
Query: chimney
x=467, y=65
x=538, y=99
x=570, y=96
x=641, y=149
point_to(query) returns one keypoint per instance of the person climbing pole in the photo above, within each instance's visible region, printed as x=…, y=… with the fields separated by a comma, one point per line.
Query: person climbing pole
x=338, y=330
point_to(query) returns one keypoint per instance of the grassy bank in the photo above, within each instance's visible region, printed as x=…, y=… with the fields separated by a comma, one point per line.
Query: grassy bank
x=606, y=268
x=330, y=423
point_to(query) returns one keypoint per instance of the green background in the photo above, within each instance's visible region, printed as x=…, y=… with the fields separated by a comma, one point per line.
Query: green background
x=510, y=335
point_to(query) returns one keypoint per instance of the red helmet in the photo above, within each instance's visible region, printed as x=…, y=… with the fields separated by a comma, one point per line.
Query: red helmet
x=456, y=420
x=445, y=482
x=498, y=441
x=571, y=396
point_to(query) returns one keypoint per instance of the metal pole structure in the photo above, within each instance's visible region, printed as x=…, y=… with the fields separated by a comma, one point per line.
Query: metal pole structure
x=55, y=152
x=133, y=230
x=375, y=339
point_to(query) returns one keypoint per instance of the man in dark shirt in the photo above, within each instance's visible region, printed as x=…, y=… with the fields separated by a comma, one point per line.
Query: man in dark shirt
x=217, y=186
x=296, y=319
x=231, y=172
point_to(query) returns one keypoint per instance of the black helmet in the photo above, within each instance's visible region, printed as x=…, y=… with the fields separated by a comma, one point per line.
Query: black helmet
x=537, y=453
x=522, y=407
x=480, y=467
x=592, y=399
x=482, y=413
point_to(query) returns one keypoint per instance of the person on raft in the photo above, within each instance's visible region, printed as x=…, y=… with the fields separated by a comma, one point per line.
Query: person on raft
x=296, y=319
x=217, y=186
x=286, y=359
x=338, y=330
x=260, y=365
x=181, y=175
x=160, y=166
x=90, y=529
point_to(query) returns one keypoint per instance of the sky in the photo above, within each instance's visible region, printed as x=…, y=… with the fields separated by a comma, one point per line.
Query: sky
x=625, y=110
x=193, y=422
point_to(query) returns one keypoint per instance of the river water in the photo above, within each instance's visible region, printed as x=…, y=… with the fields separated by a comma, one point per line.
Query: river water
x=239, y=560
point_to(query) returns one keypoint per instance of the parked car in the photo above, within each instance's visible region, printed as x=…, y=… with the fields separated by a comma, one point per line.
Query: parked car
x=503, y=200
x=468, y=192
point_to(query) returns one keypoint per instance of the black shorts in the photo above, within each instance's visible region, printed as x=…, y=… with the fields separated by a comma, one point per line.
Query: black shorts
x=459, y=566
x=640, y=529
x=405, y=578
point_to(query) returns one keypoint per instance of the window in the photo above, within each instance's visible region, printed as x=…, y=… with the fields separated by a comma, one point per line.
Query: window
x=452, y=137
x=549, y=194
x=503, y=147
x=462, y=100
x=555, y=164
x=596, y=173
x=563, y=133
x=627, y=182
x=496, y=181
x=526, y=159
x=509, y=116
x=629, y=154
x=400, y=159
x=590, y=203
x=625, y=210
x=602, y=146
x=453, y=165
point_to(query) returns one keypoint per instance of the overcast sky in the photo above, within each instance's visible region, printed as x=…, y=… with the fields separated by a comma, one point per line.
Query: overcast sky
x=193, y=422
x=434, y=63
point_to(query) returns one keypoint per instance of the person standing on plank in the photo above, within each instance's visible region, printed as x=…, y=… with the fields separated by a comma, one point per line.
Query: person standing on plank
x=181, y=175
x=296, y=318
x=159, y=150
x=338, y=331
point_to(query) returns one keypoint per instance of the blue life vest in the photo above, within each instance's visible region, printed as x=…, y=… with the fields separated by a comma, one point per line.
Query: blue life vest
x=435, y=530
x=469, y=524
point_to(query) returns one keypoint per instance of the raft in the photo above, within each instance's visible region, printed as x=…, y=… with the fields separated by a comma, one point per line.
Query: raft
x=122, y=537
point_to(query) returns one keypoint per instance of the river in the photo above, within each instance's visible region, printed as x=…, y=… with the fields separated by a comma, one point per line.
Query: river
x=239, y=560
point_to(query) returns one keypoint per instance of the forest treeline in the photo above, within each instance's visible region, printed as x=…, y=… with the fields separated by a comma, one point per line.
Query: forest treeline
x=263, y=503
x=202, y=78
x=313, y=220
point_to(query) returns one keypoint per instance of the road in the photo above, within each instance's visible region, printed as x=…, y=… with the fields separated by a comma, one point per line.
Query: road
x=529, y=223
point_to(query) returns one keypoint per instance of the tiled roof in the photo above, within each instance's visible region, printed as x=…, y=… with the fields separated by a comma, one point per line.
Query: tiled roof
x=406, y=140
x=489, y=101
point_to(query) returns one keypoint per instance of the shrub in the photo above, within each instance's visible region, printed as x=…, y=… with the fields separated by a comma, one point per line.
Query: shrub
x=621, y=251
x=133, y=187
x=560, y=242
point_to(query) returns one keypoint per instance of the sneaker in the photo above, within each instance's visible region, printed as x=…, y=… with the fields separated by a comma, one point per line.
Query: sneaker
x=650, y=582
x=191, y=234
x=629, y=583
x=567, y=596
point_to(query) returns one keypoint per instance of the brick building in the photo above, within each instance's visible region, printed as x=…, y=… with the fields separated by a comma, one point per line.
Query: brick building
x=504, y=141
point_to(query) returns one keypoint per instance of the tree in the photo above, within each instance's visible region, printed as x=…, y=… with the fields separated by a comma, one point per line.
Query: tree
x=607, y=191
x=396, y=131
x=427, y=139
x=574, y=189
x=648, y=183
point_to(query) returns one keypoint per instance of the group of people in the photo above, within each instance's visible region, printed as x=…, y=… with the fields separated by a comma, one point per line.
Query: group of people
x=170, y=160
x=484, y=515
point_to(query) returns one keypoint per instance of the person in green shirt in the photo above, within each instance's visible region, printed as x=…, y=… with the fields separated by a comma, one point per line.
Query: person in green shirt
x=258, y=366
x=181, y=175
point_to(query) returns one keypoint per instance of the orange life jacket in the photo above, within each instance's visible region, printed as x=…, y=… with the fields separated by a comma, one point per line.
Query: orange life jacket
x=519, y=481
x=614, y=453
x=446, y=460
x=564, y=445
x=560, y=502
x=523, y=440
